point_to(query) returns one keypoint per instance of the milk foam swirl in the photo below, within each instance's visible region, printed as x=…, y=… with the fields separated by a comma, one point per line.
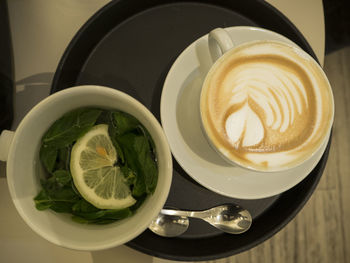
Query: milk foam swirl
x=265, y=105
x=263, y=96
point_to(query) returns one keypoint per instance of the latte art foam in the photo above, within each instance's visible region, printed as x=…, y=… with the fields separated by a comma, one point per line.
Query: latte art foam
x=266, y=105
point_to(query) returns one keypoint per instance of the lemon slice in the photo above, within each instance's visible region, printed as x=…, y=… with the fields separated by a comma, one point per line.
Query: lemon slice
x=94, y=172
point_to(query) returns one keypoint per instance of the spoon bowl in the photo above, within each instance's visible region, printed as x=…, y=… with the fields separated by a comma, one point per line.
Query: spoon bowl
x=169, y=226
x=231, y=219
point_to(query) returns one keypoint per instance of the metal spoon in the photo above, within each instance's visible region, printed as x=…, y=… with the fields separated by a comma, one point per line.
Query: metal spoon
x=229, y=218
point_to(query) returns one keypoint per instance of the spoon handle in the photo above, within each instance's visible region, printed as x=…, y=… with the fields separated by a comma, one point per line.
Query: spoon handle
x=172, y=212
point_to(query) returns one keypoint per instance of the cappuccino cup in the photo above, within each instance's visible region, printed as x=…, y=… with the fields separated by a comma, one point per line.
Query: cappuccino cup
x=264, y=105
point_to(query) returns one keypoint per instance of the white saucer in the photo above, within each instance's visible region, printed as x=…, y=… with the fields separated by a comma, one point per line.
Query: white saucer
x=180, y=118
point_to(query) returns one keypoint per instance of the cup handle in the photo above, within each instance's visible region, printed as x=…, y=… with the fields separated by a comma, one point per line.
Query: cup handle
x=219, y=42
x=6, y=139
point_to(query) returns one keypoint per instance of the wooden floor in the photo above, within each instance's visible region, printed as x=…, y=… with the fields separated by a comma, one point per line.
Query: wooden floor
x=321, y=231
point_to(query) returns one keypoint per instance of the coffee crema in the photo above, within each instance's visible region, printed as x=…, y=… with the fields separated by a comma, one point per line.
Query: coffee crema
x=266, y=105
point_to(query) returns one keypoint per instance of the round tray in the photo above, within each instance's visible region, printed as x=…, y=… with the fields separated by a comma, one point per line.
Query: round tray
x=130, y=45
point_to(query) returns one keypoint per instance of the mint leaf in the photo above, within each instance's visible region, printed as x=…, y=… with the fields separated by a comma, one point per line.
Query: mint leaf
x=138, y=157
x=48, y=156
x=62, y=177
x=82, y=206
x=70, y=127
x=42, y=201
x=124, y=122
x=113, y=133
x=63, y=158
x=57, y=181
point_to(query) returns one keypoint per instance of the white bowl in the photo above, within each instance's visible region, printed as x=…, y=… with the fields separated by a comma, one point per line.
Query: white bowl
x=24, y=168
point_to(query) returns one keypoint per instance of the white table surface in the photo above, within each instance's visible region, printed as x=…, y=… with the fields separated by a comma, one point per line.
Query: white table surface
x=41, y=30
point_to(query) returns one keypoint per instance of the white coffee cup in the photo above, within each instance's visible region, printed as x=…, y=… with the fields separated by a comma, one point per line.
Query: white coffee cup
x=265, y=105
x=21, y=151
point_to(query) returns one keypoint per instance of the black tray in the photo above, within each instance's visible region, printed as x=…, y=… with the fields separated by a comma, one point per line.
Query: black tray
x=130, y=45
